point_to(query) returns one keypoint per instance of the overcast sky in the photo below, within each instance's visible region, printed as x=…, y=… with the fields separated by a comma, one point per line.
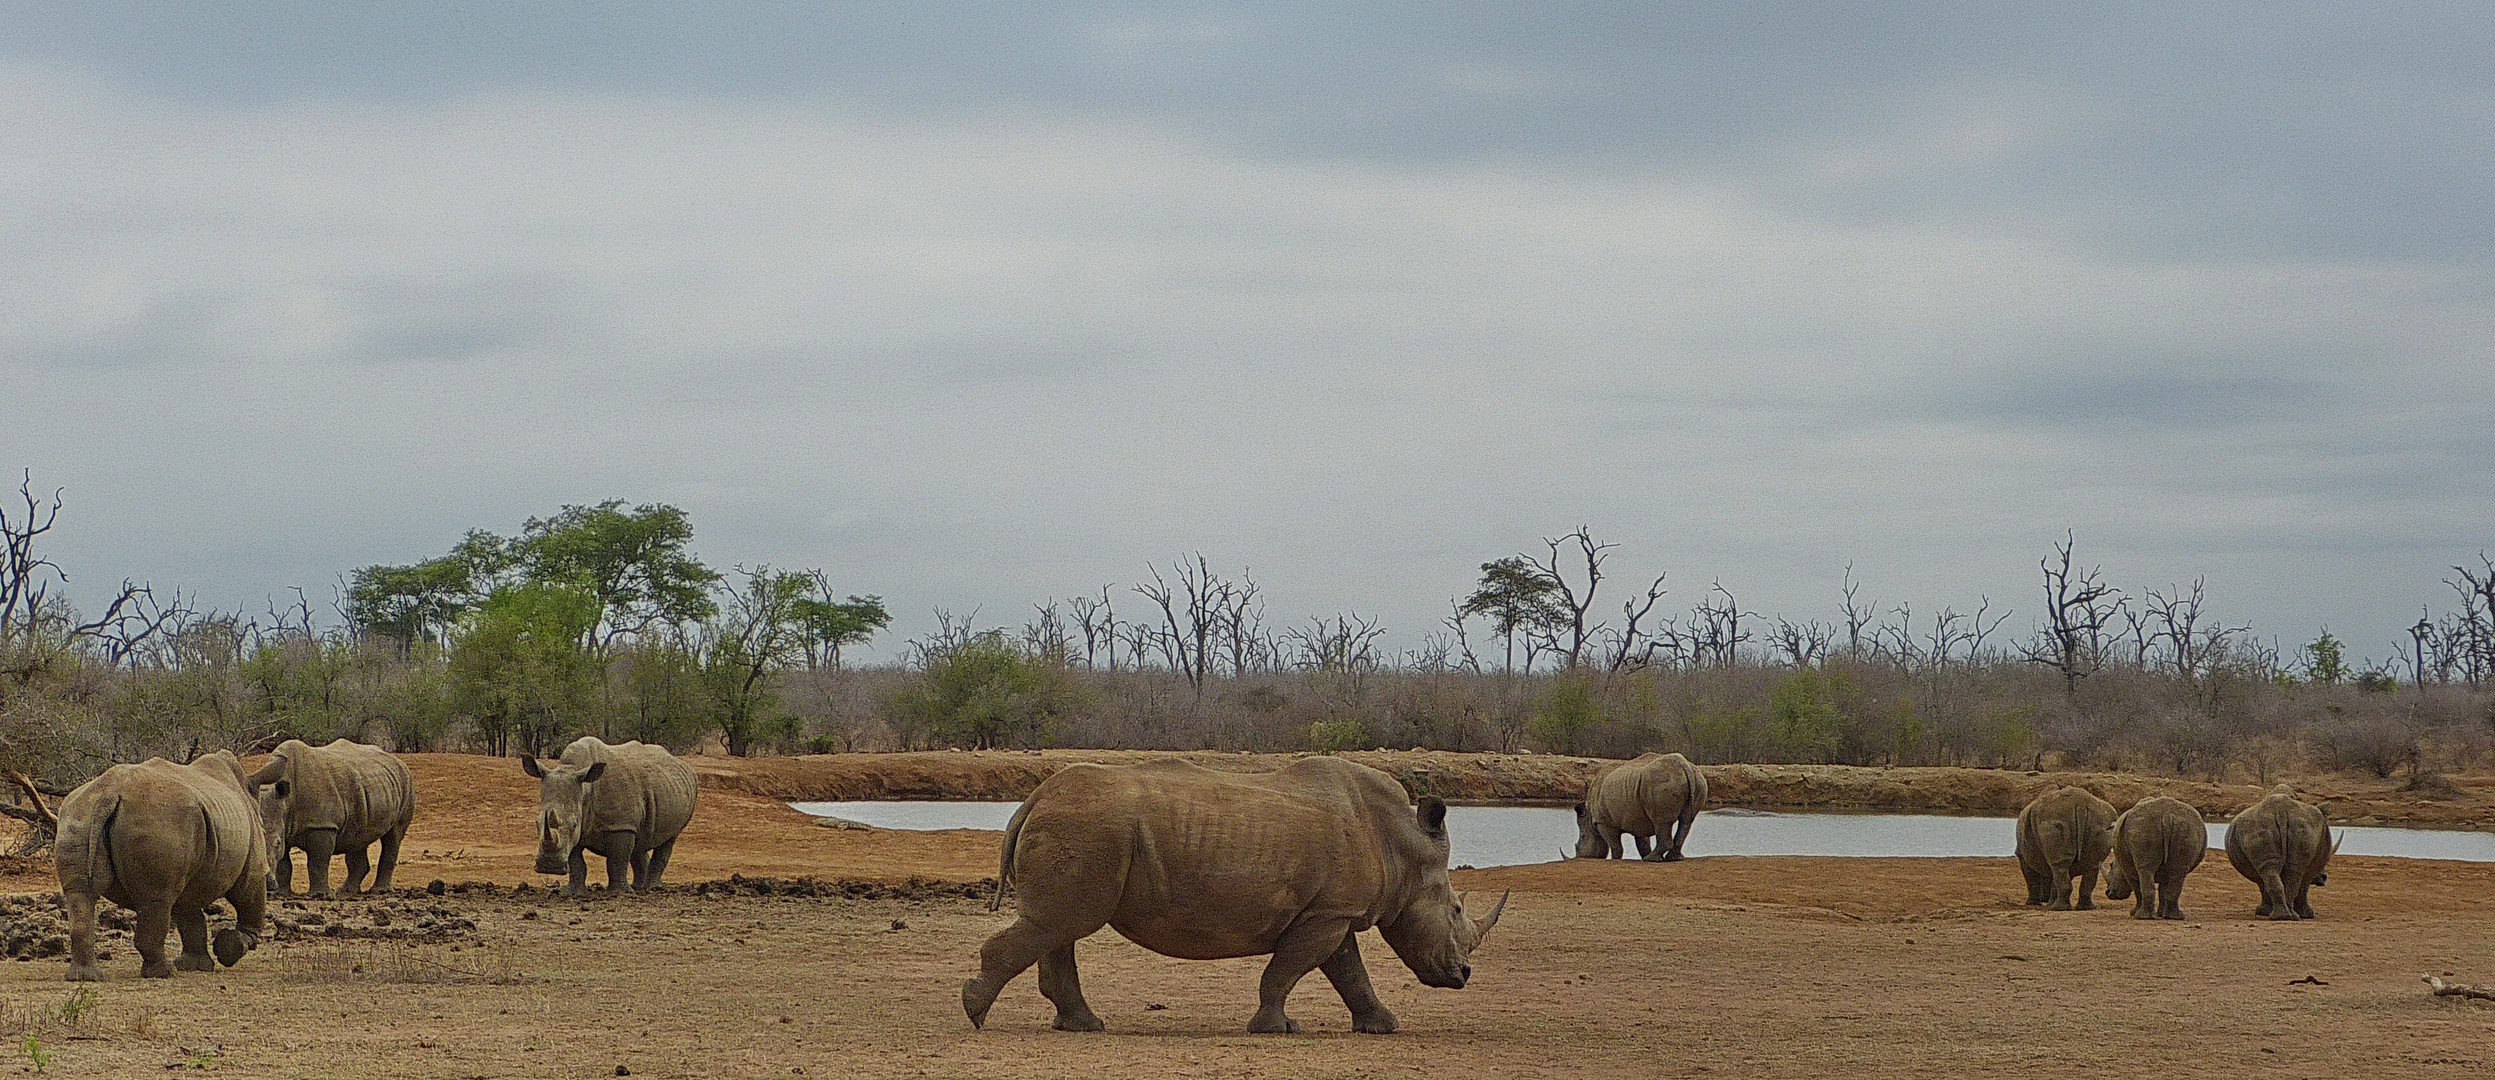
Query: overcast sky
x=975, y=306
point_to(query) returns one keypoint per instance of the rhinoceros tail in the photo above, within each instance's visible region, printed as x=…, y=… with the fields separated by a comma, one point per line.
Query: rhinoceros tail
x=1005, y=862
x=83, y=851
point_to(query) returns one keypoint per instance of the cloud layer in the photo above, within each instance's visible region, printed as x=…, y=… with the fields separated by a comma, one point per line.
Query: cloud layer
x=976, y=347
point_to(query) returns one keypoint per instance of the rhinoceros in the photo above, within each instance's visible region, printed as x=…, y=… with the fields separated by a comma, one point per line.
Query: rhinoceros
x=623, y=802
x=2062, y=834
x=2284, y=846
x=1656, y=795
x=338, y=798
x=2156, y=843
x=1204, y=865
x=165, y=841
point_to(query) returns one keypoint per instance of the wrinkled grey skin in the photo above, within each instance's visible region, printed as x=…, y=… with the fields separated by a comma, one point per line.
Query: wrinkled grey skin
x=165, y=841
x=1656, y=795
x=623, y=802
x=2156, y=844
x=341, y=798
x=2284, y=846
x=1203, y=865
x=2064, y=834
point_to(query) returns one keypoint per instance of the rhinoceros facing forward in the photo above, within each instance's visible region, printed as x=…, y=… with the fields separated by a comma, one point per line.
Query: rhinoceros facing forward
x=1203, y=865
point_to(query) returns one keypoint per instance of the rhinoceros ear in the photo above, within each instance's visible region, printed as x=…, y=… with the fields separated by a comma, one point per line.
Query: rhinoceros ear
x=1433, y=815
x=1583, y=813
x=528, y=764
x=595, y=771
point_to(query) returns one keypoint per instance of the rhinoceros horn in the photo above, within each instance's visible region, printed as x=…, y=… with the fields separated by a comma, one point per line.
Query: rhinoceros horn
x=1481, y=926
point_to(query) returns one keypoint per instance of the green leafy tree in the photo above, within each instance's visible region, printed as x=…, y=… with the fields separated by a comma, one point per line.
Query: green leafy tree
x=826, y=625
x=756, y=632
x=985, y=691
x=411, y=603
x=2325, y=660
x=1802, y=712
x=634, y=562
x=1517, y=596
x=517, y=669
x=659, y=694
x=1568, y=709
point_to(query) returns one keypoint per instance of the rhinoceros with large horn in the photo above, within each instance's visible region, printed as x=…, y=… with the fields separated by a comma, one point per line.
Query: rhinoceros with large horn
x=341, y=798
x=2156, y=844
x=2062, y=835
x=625, y=802
x=165, y=841
x=2283, y=845
x=1656, y=795
x=1203, y=865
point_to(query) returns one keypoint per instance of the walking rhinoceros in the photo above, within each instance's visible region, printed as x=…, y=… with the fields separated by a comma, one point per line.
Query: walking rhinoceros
x=165, y=841
x=1203, y=865
x=2062, y=834
x=1656, y=795
x=623, y=802
x=2156, y=843
x=2282, y=845
x=339, y=798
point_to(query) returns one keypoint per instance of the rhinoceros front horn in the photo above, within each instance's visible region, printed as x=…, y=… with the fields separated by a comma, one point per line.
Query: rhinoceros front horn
x=1481, y=928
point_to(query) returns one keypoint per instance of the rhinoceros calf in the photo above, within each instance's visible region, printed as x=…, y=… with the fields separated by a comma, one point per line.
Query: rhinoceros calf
x=626, y=803
x=2062, y=835
x=340, y=798
x=2282, y=845
x=165, y=841
x=1203, y=865
x=2156, y=844
x=1656, y=795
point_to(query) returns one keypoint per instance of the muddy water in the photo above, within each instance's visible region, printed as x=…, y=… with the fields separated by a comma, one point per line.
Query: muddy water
x=1514, y=835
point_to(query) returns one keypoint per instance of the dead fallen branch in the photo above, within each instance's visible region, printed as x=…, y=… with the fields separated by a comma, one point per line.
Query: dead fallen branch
x=2462, y=990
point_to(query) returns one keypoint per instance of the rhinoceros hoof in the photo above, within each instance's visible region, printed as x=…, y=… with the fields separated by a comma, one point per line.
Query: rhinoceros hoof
x=1380, y=1022
x=157, y=970
x=85, y=973
x=2176, y=915
x=1079, y=1023
x=2142, y=913
x=1280, y=1026
x=188, y=962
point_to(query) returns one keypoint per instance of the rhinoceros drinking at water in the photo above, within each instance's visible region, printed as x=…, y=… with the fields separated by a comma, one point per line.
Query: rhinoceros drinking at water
x=1657, y=795
x=1203, y=865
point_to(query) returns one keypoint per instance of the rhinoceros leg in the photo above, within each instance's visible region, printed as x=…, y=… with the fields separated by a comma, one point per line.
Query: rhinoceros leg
x=358, y=864
x=1645, y=850
x=1302, y=948
x=2274, y=897
x=1611, y=840
x=155, y=920
x=2304, y=901
x=2087, y=888
x=658, y=864
x=1350, y=977
x=1012, y=950
x=1064, y=988
x=2170, y=899
x=578, y=868
x=618, y=848
x=192, y=925
x=282, y=875
x=318, y=845
x=81, y=913
x=389, y=858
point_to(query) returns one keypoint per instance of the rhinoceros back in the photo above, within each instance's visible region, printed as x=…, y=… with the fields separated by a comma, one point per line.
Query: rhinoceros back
x=644, y=789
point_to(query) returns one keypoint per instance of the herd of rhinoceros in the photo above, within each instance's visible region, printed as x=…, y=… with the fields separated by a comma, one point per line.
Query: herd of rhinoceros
x=1186, y=861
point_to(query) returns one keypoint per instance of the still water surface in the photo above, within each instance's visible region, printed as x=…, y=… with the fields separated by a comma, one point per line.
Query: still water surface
x=1511, y=835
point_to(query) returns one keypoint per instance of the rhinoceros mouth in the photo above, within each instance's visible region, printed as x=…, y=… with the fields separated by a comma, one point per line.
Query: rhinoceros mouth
x=549, y=864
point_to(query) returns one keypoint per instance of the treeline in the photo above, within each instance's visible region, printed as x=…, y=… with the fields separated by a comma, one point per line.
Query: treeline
x=600, y=619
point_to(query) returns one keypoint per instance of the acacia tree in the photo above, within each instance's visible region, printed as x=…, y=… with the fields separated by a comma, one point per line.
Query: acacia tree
x=1516, y=597
x=517, y=669
x=760, y=629
x=825, y=625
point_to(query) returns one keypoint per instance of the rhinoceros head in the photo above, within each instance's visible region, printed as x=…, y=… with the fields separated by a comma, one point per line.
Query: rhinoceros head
x=1432, y=934
x=273, y=787
x=1590, y=843
x=560, y=792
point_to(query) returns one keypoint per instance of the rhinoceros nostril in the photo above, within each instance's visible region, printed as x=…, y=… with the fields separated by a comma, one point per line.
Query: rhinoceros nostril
x=1464, y=971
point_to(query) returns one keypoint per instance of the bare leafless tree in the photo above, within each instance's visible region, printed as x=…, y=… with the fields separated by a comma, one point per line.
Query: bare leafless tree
x=1803, y=644
x=1631, y=647
x=2176, y=634
x=1568, y=637
x=1858, y=616
x=2079, y=606
x=1715, y=636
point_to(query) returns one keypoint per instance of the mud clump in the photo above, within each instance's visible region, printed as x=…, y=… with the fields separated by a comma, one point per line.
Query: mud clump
x=815, y=888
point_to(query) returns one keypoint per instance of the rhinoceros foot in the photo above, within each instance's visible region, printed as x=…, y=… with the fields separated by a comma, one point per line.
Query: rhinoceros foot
x=1085, y=1022
x=188, y=962
x=975, y=1002
x=1380, y=1022
x=156, y=970
x=85, y=973
x=1262, y=1024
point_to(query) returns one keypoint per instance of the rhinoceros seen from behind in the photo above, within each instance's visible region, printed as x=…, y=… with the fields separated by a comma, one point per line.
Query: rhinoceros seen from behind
x=341, y=798
x=2062, y=835
x=2283, y=845
x=2156, y=844
x=625, y=802
x=1656, y=795
x=165, y=841
x=1202, y=865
